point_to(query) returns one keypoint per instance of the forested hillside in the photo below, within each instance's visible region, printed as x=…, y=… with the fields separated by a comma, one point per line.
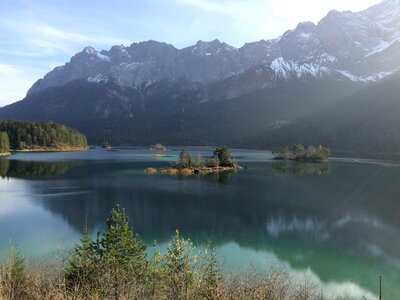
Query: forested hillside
x=42, y=135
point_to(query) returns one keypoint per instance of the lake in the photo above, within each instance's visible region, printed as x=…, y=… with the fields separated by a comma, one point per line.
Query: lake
x=337, y=223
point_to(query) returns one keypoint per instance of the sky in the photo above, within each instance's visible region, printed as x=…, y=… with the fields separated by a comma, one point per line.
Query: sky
x=38, y=35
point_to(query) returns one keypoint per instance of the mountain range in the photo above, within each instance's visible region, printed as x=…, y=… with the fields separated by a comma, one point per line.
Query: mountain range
x=334, y=83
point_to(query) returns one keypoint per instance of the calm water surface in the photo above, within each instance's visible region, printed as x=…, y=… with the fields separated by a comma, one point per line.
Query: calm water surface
x=337, y=223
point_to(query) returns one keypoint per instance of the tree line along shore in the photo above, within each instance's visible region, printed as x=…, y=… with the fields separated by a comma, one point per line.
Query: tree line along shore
x=300, y=153
x=38, y=136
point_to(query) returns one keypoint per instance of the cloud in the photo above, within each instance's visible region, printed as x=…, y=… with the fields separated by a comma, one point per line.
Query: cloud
x=15, y=81
x=292, y=12
x=272, y=17
x=50, y=40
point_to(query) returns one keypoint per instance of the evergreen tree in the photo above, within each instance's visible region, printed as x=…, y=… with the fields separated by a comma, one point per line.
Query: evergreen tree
x=4, y=142
x=224, y=156
x=83, y=270
x=184, y=160
x=298, y=149
x=112, y=263
x=123, y=253
x=281, y=152
x=27, y=135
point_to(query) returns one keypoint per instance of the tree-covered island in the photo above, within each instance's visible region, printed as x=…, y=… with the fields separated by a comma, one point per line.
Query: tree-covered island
x=39, y=136
x=300, y=153
x=220, y=161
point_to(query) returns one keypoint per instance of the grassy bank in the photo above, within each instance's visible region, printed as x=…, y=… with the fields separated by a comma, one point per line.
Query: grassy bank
x=116, y=266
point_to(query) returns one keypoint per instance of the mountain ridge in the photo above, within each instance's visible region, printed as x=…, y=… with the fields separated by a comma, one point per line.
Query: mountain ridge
x=342, y=45
x=264, y=94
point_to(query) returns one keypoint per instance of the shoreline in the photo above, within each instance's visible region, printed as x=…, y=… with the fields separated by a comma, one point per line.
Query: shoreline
x=5, y=154
x=193, y=170
x=51, y=150
x=305, y=160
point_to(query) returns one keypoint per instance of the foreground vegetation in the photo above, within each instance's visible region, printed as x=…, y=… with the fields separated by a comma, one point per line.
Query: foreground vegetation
x=40, y=135
x=300, y=153
x=116, y=265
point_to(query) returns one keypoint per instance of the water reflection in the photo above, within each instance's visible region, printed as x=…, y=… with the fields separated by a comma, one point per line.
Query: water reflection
x=344, y=225
x=32, y=169
x=301, y=168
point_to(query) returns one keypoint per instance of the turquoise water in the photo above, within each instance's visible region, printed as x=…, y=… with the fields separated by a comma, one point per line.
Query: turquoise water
x=338, y=222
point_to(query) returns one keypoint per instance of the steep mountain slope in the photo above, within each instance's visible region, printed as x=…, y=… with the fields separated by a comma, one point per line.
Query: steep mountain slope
x=368, y=120
x=307, y=86
x=171, y=113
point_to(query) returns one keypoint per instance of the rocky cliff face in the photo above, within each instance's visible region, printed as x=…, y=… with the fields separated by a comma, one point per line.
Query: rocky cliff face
x=362, y=46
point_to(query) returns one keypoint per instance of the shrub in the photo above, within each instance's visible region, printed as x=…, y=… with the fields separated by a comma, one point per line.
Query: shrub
x=224, y=156
x=151, y=170
x=179, y=273
x=212, y=162
x=197, y=162
x=186, y=172
x=184, y=160
x=13, y=277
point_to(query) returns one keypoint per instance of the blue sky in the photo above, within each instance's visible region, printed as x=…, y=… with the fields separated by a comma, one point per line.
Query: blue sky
x=37, y=35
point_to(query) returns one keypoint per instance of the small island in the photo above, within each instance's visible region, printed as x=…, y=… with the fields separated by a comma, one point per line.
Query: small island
x=300, y=153
x=220, y=161
x=38, y=136
x=106, y=145
x=159, y=147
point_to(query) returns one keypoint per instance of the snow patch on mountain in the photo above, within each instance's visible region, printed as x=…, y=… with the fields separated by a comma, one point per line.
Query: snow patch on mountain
x=286, y=69
x=371, y=78
x=383, y=45
x=103, y=57
x=98, y=78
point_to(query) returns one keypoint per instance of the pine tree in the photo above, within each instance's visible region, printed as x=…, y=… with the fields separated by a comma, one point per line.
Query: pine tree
x=184, y=160
x=224, y=156
x=83, y=270
x=123, y=253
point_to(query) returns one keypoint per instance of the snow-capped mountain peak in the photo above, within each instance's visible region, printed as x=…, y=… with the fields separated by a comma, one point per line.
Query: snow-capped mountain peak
x=357, y=46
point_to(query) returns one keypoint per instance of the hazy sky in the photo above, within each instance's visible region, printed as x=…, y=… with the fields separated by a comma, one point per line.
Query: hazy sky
x=37, y=35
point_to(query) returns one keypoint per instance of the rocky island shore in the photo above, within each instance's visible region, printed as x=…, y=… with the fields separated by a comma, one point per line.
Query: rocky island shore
x=220, y=161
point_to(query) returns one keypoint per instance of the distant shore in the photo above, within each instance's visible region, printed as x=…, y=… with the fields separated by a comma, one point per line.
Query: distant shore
x=72, y=149
x=4, y=154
